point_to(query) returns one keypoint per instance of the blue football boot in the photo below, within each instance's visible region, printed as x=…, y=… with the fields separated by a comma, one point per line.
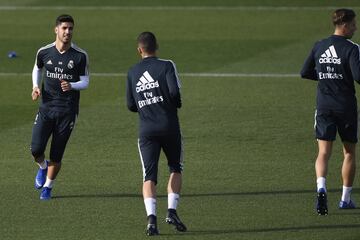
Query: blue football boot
x=40, y=177
x=345, y=205
x=45, y=193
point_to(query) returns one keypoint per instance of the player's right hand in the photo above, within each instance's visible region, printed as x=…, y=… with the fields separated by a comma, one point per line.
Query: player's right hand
x=35, y=93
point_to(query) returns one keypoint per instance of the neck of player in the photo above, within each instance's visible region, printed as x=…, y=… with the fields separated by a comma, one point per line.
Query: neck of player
x=343, y=31
x=62, y=47
x=148, y=55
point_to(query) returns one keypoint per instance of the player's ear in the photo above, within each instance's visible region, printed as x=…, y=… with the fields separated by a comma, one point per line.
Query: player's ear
x=140, y=51
x=56, y=30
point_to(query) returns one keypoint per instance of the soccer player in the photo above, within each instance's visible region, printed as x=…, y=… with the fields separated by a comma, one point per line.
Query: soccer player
x=64, y=68
x=335, y=63
x=153, y=90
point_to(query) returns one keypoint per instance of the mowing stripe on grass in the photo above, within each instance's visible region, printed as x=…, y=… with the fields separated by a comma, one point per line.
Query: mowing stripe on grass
x=208, y=75
x=176, y=8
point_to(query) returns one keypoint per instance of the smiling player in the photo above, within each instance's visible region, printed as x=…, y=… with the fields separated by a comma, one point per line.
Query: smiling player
x=64, y=68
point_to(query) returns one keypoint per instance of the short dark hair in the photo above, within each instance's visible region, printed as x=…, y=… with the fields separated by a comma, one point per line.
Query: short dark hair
x=64, y=18
x=343, y=15
x=147, y=40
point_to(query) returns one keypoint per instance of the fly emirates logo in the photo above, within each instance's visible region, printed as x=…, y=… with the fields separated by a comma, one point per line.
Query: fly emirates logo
x=330, y=56
x=330, y=74
x=146, y=82
x=58, y=74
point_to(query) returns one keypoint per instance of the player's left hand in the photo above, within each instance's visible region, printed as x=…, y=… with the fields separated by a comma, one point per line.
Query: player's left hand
x=65, y=86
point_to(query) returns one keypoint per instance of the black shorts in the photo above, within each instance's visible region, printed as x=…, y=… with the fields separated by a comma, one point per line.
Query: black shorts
x=328, y=122
x=149, y=150
x=55, y=124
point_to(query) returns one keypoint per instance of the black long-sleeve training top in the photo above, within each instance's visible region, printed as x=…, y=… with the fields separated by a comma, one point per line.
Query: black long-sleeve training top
x=68, y=66
x=153, y=90
x=335, y=63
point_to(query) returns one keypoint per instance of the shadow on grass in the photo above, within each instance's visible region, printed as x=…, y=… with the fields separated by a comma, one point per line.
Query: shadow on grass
x=99, y=195
x=214, y=194
x=282, y=192
x=275, y=229
x=348, y=212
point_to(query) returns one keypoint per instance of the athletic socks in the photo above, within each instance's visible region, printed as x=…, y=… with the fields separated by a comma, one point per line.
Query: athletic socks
x=150, y=203
x=346, y=194
x=150, y=206
x=43, y=165
x=173, y=200
x=321, y=183
x=49, y=183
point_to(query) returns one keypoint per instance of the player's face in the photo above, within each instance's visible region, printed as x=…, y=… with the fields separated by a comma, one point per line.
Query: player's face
x=64, y=32
x=351, y=28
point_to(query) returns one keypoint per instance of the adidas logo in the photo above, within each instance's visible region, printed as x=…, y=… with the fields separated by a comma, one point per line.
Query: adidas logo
x=330, y=56
x=49, y=62
x=146, y=82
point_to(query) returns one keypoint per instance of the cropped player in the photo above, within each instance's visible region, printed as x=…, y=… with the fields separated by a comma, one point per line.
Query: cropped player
x=64, y=68
x=334, y=62
x=153, y=90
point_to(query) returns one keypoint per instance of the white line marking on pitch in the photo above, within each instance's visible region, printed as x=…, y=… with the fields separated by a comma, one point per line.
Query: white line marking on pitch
x=210, y=75
x=182, y=8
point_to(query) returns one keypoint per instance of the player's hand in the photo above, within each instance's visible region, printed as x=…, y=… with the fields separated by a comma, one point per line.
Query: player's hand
x=35, y=93
x=65, y=86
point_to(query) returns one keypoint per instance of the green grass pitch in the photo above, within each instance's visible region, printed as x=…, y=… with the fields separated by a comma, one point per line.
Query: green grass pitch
x=249, y=145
